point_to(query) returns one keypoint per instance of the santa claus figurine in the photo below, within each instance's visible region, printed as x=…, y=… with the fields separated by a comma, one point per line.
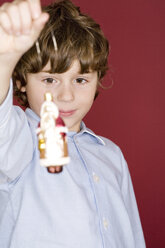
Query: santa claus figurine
x=52, y=138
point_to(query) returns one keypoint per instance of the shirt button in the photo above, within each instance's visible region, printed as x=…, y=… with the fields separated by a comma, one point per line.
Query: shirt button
x=105, y=224
x=96, y=178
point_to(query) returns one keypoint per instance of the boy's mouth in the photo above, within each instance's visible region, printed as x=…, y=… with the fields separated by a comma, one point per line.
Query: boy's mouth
x=68, y=113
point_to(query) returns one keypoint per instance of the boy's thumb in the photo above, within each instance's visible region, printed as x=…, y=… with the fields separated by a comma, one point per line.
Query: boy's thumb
x=39, y=23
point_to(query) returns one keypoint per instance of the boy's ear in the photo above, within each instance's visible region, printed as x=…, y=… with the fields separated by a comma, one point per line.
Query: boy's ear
x=20, y=87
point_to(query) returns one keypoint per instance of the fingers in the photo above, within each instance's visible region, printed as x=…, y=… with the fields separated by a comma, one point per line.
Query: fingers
x=54, y=169
x=25, y=18
x=5, y=23
x=13, y=19
x=19, y=16
x=35, y=7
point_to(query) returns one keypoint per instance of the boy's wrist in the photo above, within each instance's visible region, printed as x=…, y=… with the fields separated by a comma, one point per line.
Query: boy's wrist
x=9, y=60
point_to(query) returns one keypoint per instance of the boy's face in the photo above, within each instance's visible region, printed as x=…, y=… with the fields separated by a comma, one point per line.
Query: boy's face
x=72, y=92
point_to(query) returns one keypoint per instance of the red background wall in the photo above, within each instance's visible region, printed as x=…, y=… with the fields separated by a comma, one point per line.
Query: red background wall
x=131, y=113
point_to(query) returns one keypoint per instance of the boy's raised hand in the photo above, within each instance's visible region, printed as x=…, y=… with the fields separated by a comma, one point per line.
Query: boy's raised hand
x=21, y=22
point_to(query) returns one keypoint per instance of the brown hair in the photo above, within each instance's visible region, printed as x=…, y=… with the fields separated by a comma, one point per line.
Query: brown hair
x=78, y=37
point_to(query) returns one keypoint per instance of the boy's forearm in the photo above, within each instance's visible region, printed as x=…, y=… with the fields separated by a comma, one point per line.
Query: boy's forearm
x=15, y=134
x=7, y=65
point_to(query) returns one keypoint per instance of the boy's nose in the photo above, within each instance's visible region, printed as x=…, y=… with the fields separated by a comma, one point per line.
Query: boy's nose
x=66, y=93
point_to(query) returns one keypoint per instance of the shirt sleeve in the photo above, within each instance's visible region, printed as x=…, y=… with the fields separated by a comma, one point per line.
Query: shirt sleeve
x=131, y=205
x=16, y=144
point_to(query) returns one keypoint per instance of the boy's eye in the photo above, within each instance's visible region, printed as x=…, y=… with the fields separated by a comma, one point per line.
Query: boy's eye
x=81, y=80
x=49, y=80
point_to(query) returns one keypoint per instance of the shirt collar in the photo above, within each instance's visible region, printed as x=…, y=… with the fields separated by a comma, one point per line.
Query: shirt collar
x=84, y=129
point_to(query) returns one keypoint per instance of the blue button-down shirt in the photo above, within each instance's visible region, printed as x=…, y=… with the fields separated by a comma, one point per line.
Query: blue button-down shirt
x=91, y=204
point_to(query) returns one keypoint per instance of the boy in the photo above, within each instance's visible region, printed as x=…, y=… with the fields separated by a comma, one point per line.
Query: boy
x=91, y=203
